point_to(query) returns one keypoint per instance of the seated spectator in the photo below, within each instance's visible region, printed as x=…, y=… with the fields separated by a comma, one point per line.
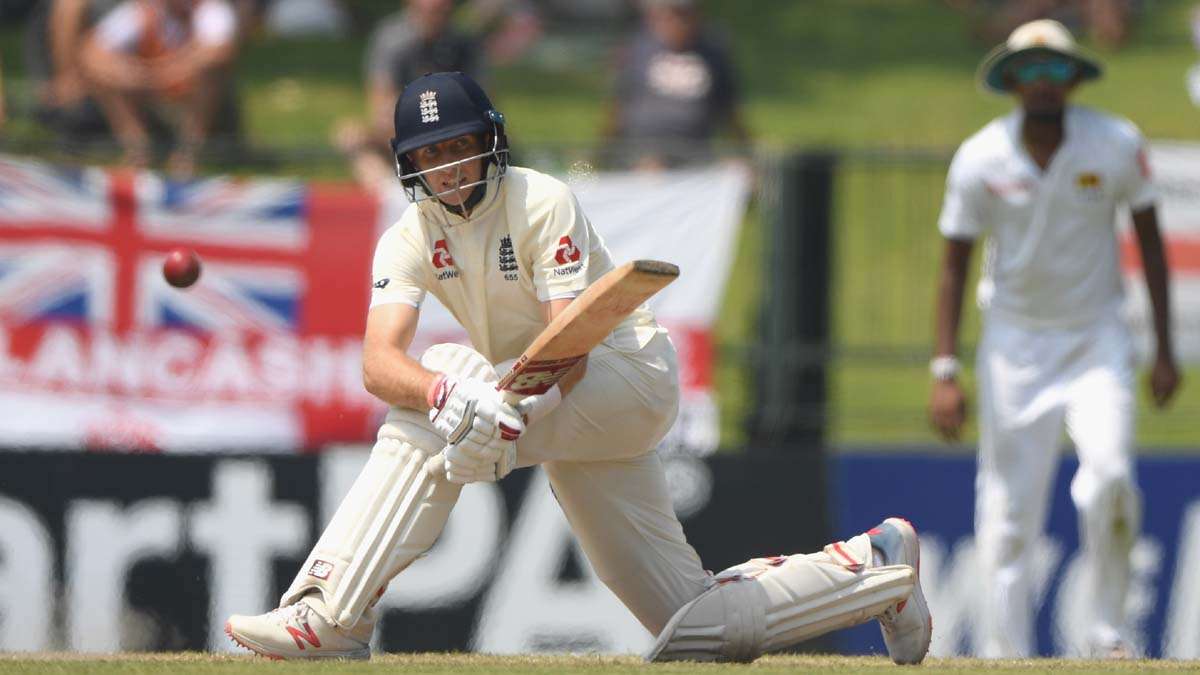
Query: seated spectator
x=1105, y=21
x=164, y=63
x=676, y=91
x=404, y=46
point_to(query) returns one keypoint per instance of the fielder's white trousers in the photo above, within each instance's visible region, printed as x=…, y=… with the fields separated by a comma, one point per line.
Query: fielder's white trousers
x=1033, y=384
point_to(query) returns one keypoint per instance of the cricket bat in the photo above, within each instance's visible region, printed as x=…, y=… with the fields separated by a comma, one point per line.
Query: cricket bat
x=584, y=324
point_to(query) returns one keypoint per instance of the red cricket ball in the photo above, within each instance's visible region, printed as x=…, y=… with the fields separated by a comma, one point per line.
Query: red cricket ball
x=182, y=267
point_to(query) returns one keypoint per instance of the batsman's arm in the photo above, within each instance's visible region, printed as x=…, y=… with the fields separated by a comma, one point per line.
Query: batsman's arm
x=1164, y=378
x=551, y=309
x=389, y=373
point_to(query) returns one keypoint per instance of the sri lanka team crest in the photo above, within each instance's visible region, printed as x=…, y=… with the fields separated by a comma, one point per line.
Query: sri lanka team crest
x=1090, y=186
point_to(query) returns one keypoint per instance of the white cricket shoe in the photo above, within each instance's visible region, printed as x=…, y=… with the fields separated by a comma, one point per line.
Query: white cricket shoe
x=908, y=626
x=300, y=631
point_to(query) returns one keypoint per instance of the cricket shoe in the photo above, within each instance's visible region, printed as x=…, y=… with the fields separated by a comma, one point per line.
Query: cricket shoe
x=907, y=626
x=300, y=631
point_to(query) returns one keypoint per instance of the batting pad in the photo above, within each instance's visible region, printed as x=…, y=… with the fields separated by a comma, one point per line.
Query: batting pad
x=395, y=509
x=768, y=604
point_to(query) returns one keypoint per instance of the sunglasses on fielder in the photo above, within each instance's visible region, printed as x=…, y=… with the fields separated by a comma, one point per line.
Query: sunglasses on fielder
x=1057, y=71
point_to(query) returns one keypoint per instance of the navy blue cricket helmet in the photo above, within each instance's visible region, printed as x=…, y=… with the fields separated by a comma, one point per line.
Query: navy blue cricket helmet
x=437, y=107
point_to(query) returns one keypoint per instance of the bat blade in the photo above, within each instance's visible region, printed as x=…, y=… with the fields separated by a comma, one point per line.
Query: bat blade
x=584, y=324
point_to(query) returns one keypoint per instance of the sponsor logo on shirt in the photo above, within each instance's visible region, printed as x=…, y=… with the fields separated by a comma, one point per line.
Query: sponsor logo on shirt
x=442, y=260
x=1008, y=188
x=566, y=253
x=507, y=259
x=381, y=284
x=1090, y=186
x=429, y=107
x=1143, y=163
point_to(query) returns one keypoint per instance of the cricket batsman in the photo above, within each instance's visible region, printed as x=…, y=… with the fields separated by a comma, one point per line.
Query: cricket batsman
x=1044, y=184
x=506, y=249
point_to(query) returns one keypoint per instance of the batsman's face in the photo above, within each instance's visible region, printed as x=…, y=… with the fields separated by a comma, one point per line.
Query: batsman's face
x=449, y=175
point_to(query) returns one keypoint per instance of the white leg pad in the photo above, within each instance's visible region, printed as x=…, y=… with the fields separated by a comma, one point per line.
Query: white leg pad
x=768, y=604
x=393, y=513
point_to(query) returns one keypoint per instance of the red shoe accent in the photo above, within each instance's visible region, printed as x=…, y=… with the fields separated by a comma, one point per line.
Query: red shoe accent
x=900, y=607
x=308, y=635
x=874, y=530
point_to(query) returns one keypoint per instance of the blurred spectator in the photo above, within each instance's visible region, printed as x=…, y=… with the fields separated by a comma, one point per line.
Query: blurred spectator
x=508, y=27
x=164, y=64
x=418, y=40
x=53, y=42
x=3, y=110
x=1105, y=21
x=676, y=90
x=1193, y=73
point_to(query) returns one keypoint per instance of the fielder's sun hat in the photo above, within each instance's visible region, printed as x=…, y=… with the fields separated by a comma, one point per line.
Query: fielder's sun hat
x=1044, y=36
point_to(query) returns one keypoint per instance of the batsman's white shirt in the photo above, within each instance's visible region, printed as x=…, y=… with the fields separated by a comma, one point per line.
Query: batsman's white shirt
x=1051, y=257
x=529, y=244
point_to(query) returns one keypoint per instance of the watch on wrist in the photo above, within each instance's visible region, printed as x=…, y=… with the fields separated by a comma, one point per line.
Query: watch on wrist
x=944, y=368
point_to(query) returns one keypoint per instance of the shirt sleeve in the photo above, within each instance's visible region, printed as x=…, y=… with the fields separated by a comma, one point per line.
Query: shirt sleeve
x=560, y=256
x=397, y=272
x=1136, y=186
x=384, y=50
x=214, y=23
x=119, y=29
x=963, y=208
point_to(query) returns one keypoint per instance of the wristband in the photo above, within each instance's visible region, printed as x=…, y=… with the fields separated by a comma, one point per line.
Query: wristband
x=435, y=396
x=944, y=368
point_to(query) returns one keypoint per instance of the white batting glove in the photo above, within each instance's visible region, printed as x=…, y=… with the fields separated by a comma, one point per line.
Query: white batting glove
x=479, y=427
x=467, y=462
x=459, y=407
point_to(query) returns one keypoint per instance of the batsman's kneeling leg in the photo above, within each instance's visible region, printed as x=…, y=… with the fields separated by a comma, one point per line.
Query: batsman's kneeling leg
x=768, y=604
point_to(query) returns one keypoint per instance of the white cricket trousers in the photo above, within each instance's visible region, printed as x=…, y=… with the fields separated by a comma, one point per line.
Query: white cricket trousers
x=597, y=449
x=1033, y=383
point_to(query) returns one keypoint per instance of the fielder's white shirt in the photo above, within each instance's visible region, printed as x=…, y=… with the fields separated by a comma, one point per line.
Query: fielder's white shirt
x=527, y=244
x=1051, y=257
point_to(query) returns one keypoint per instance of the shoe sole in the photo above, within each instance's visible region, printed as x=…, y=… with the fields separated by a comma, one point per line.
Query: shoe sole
x=912, y=551
x=262, y=651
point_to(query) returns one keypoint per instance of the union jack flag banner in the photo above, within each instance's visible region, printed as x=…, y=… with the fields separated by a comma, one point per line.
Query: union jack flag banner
x=97, y=351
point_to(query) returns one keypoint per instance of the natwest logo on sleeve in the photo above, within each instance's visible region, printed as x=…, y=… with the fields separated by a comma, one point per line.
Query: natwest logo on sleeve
x=567, y=252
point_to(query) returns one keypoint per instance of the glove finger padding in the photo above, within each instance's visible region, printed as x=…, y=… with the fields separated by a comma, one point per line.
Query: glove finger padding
x=458, y=405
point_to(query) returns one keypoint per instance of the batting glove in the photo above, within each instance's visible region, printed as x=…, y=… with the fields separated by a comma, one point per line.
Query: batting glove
x=467, y=462
x=459, y=408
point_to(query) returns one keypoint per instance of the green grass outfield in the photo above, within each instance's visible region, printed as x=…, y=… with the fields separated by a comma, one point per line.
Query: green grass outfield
x=436, y=664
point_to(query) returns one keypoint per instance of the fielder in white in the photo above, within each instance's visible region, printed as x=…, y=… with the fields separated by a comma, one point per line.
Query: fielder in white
x=1044, y=184
x=506, y=249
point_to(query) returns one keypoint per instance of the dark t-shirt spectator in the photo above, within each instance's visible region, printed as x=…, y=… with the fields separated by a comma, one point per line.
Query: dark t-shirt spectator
x=397, y=52
x=674, y=101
